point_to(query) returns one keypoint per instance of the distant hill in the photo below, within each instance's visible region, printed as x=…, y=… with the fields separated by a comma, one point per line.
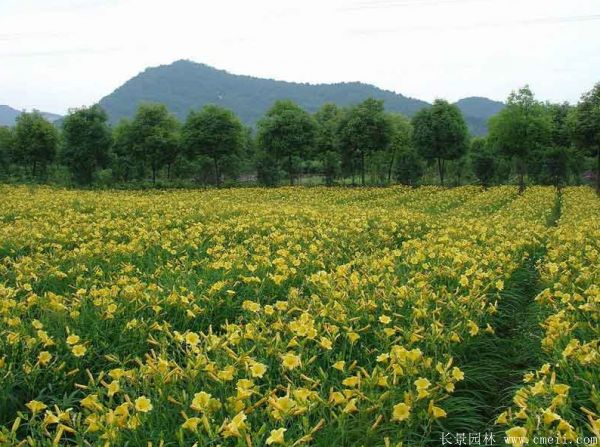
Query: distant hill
x=477, y=111
x=186, y=85
x=8, y=115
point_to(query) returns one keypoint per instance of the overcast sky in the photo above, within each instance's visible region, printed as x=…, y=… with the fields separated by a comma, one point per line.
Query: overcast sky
x=57, y=54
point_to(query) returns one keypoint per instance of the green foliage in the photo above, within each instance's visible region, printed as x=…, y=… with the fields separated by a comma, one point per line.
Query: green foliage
x=216, y=133
x=6, y=147
x=560, y=133
x=331, y=166
x=556, y=165
x=522, y=127
x=363, y=130
x=267, y=170
x=409, y=166
x=400, y=143
x=86, y=143
x=154, y=133
x=483, y=161
x=286, y=132
x=35, y=141
x=440, y=133
x=327, y=119
x=125, y=165
x=585, y=123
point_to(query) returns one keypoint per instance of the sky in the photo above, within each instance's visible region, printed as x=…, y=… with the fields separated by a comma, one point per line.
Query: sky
x=60, y=54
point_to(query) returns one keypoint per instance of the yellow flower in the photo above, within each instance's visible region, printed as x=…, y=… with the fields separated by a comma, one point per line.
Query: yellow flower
x=73, y=339
x=258, y=369
x=290, y=361
x=91, y=402
x=549, y=417
x=276, y=436
x=350, y=407
x=516, y=436
x=201, y=401
x=561, y=389
x=191, y=424
x=384, y=319
x=436, y=412
x=473, y=328
x=339, y=365
x=237, y=424
x=401, y=412
x=44, y=358
x=192, y=338
x=143, y=404
x=325, y=343
x=500, y=284
x=351, y=381
x=79, y=350
x=457, y=374
x=422, y=384
x=36, y=406
x=113, y=388
x=503, y=418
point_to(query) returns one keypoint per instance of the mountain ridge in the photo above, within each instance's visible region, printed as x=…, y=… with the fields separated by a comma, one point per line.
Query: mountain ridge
x=185, y=85
x=8, y=115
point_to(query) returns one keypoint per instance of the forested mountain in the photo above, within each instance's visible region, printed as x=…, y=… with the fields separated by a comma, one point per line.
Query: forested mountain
x=477, y=111
x=186, y=85
x=8, y=115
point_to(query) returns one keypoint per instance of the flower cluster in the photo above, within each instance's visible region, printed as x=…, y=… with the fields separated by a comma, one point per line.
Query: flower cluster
x=280, y=317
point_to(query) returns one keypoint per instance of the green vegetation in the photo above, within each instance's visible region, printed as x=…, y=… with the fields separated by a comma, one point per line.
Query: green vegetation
x=542, y=143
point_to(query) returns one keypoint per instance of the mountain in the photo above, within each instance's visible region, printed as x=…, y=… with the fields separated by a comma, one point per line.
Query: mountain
x=8, y=115
x=477, y=111
x=185, y=85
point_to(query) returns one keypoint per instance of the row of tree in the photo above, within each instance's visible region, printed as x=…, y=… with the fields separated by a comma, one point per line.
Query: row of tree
x=548, y=143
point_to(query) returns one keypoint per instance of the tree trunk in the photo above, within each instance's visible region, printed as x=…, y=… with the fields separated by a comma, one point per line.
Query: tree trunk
x=153, y=174
x=362, y=167
x=290, y=170
x=169, y=171
x=34, y=166
x=598, y=171
x=521, y=173
x=390, y=168
x=217, y=173
x=441, y=171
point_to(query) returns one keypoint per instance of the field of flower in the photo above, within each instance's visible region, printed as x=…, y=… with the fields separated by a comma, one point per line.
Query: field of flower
x=316, y=316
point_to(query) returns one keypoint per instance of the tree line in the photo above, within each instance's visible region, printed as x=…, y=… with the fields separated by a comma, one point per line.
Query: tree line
x=363, y=144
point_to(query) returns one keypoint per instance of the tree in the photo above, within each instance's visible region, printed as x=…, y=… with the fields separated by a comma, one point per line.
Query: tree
x=556, y=165
x=586, y=126
x=6, y=147
x=285, y=132
x=409, y=167
x=86, y=142
x=364, y=129
x=560, y=131
x=326, y=141
x=267, y=169
x=213, y=132
x=123, y=157
x=440, y=133
x=520, y=128
x=35, y=141
x=400, y=144
x=483, y=161
x=154, y=134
